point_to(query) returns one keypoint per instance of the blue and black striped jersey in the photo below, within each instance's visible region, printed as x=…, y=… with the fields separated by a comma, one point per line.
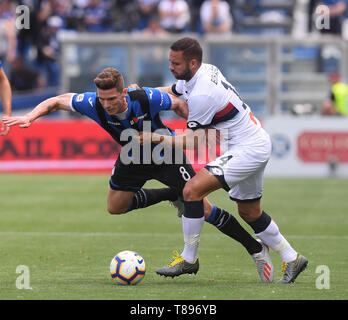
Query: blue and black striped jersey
x=143, y=105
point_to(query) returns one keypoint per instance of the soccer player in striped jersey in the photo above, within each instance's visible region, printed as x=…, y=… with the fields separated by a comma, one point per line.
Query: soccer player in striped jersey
x=214, y=103
x=121, y=111
x=6, y=98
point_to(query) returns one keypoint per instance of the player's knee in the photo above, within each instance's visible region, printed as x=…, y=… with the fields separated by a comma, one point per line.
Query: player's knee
x=190, y=192
x=112, y=209
x=117, y=203
x=246, y=216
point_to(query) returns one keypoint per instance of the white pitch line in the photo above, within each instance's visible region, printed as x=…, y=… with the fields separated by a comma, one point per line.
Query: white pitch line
x=149, y=234
x=82, y=234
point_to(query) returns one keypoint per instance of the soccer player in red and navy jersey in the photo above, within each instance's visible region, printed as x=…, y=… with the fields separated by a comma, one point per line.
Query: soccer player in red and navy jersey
x=214, y=103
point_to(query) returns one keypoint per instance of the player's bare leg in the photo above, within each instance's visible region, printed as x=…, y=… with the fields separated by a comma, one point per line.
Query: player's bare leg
x=119, y=201
x=268, y=232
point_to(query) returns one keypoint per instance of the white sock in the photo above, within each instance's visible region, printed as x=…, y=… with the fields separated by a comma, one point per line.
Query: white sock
x=192, y=229
x=275, y=240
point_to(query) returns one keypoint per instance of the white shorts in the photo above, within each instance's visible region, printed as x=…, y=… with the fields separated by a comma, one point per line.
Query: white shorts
x=240, y=170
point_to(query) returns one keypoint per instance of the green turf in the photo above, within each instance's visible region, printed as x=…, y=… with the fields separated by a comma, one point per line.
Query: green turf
x=57, y=226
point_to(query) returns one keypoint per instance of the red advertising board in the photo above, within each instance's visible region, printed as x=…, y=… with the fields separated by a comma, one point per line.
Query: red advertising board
x=315, y=146
x=77, y=145
x=64, y=146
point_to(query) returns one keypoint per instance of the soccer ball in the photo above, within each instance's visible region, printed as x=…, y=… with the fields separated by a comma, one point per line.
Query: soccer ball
x=127, y=267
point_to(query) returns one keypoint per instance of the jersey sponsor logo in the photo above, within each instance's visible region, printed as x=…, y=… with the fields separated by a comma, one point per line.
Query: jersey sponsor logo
x=80, y=97
x=115, y=123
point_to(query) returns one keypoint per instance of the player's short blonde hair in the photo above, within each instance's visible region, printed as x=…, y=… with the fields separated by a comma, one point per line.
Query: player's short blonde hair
x=109, y=78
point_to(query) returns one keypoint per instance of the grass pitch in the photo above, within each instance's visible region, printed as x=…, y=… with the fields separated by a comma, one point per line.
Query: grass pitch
x=57, y=226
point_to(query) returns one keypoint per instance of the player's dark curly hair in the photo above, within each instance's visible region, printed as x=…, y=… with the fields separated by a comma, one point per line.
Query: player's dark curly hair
x=109, y=78
x=190, y=47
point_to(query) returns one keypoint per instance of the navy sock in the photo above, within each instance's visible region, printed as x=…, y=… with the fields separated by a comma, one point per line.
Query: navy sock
x=261, y=223
x=148, y=197
x=194, y=209
x=230, y=226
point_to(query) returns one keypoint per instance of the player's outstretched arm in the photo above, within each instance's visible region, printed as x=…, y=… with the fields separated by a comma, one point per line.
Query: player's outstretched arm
x=48, y=106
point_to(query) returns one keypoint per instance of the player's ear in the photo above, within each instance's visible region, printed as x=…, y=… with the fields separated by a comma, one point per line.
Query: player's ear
x=193, y=63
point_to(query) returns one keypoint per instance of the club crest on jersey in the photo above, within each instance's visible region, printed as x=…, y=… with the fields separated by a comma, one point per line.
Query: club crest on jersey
x=80, y=97
x=115, y=123
x=134, y=120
